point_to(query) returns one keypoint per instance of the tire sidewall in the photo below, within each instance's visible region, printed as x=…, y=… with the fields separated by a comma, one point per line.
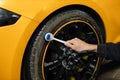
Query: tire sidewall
x=37, y=52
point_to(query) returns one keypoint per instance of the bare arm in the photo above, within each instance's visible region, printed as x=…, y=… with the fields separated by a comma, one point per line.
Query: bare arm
x=79, y=45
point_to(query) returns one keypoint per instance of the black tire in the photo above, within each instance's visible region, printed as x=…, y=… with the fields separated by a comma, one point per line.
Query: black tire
x=49, y=60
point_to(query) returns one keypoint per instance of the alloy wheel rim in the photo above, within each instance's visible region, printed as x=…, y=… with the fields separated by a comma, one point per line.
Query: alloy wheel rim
x=59, y=61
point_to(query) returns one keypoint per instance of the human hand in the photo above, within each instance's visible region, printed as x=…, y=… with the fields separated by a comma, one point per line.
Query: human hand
x=79, y=45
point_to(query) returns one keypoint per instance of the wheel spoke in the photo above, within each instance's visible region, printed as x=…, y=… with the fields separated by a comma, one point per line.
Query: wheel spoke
x=76, y=74
x=82, y=63
x=86, y=53
x=89, y=36
x=52, y=65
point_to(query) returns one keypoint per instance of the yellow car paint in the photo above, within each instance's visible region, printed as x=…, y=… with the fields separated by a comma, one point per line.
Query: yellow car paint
x=14, y=38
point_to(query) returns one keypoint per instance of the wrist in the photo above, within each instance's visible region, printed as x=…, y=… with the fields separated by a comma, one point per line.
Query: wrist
x=92, y=47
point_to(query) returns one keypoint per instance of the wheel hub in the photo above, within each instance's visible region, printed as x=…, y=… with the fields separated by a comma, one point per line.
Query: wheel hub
x=70, y=59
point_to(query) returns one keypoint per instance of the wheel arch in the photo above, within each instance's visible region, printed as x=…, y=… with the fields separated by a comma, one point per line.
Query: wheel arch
x=86, y=9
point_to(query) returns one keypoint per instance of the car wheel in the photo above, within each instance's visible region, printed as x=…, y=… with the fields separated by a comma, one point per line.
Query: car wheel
x=53, y=60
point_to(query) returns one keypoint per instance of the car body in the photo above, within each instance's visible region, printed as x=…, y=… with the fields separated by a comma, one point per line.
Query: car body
x=15, y=37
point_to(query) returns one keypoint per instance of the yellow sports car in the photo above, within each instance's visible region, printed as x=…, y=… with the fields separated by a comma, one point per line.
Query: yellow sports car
x=26, y=55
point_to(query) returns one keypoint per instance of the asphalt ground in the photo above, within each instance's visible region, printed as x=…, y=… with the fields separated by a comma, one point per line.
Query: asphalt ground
x=110, y=71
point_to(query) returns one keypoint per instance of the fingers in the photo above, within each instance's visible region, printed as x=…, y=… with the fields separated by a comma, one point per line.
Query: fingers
x=71, y=43
x=75, y=44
